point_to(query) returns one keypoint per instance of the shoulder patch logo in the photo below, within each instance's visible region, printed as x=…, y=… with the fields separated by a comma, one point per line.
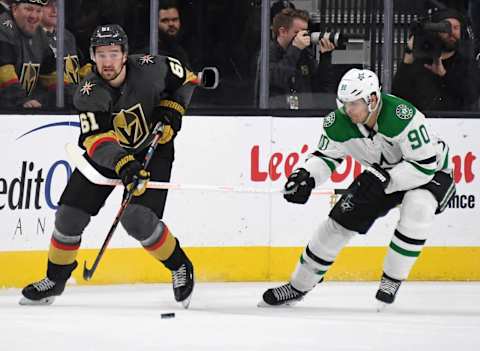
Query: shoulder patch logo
x=8, y=23
x=87, y=88
x=329, y=120
x=146, y=60
x=404, y=112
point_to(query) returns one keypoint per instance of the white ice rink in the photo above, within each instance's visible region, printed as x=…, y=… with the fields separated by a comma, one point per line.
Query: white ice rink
x=335, y=316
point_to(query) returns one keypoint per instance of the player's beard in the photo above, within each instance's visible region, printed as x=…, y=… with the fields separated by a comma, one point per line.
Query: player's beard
x=114, y=76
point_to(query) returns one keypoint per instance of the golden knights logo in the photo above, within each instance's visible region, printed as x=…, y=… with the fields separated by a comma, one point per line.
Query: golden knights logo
x=131, y=126
x=71, y=69
x=29, y=76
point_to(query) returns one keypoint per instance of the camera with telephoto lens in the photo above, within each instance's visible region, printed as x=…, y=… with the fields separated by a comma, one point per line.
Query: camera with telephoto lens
x=427, y=44
x=338, y=39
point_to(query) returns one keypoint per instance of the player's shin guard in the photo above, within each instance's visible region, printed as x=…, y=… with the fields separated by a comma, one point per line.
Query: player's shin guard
x=319, y=254
x=314, y=262
x=166, y=248
x=61, y=263
x=416, y=220
x=64, y=244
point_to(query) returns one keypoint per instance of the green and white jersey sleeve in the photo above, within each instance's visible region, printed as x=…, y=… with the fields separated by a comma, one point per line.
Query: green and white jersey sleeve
x=419, y=156
x=326, y=158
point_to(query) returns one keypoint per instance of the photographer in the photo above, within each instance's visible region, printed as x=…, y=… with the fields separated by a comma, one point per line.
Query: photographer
x=294, y=71
x=447, y=80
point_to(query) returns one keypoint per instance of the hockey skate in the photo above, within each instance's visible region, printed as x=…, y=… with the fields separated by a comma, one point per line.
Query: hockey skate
x=284, y=295
x=183, y=282
x=44, y=291
x=387, y=291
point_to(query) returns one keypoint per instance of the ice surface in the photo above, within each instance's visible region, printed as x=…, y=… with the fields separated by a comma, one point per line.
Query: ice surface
x=223, y=316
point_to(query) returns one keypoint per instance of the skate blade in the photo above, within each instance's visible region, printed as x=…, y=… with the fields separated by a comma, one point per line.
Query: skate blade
x=42, y=302
x=186, y=303
x=263, y=304
x=381, y=306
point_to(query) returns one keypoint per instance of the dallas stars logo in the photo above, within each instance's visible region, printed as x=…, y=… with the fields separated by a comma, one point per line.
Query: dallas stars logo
x=146, y=59
x=8, y=24
x=361, y=76
x=404, y=112
x=329, y=120
x=87, y=88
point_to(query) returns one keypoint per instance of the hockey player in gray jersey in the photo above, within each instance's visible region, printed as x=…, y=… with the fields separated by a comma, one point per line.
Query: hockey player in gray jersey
x=406, y=164
x=119, y=104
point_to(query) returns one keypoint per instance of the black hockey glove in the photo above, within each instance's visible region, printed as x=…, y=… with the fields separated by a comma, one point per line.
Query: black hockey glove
x=171, y=118
x=129, y=170
x=373, y=180
x=299, y=186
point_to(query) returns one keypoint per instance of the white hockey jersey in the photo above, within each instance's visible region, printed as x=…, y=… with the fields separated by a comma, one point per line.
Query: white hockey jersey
x=400, y=142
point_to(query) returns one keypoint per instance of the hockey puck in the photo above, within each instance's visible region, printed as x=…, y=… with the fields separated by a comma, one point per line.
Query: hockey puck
x=167, y=315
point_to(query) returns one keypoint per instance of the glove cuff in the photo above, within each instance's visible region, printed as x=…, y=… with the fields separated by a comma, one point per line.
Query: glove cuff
x=122, y=162
x=172, y=105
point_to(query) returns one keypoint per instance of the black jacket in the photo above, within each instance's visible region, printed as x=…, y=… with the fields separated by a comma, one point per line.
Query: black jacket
x=297, y=71
x=457, y=90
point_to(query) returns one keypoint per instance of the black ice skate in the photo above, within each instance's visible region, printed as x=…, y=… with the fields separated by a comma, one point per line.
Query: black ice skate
x=387, y=291
x=183, y=281
x=284, y=295
x=44, y=291
x=182, y=275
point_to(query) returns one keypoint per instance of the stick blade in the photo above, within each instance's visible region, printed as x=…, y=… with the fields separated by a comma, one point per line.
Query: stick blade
x=87, y=273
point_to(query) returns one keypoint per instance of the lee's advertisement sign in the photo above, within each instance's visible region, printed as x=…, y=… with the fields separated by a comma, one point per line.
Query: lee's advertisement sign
x=247, y=152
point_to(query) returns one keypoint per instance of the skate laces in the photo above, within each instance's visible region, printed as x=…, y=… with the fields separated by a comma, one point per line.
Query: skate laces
x=44, y=284
x=285, y=292
x=179, y=277
x=389, y=286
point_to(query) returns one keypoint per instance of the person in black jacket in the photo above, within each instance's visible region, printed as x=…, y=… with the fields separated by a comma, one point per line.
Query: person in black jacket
x=294, y=71
x=169, y=32
x=446, y=83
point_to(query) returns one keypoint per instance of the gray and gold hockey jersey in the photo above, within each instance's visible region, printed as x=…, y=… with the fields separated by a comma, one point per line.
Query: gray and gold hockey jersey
x=401, y=142
x=116, y=121
x=75, y=67
x=24, y=61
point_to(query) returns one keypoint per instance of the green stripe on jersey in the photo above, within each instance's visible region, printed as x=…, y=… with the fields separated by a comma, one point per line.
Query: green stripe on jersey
x=329, y=163
x=445, y=163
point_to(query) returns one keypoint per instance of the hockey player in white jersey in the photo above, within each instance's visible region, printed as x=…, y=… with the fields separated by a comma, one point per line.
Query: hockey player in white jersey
x=405, y=164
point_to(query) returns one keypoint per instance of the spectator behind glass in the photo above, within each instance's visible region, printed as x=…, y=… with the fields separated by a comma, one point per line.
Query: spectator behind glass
x=73, y=69
x=294, y=71
x=25, y=56
x=447, y=83
x=279, y=6
x=169, y=33
x=5, y=6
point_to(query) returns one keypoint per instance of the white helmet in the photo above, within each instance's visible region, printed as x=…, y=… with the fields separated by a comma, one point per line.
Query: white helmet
x=358, y=84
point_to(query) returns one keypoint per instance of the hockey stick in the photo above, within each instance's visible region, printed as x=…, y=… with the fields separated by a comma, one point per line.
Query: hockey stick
x=88, y=273
x=75, y=155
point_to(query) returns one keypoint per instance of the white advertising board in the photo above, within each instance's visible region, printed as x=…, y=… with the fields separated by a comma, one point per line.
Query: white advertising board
x=249, y=152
